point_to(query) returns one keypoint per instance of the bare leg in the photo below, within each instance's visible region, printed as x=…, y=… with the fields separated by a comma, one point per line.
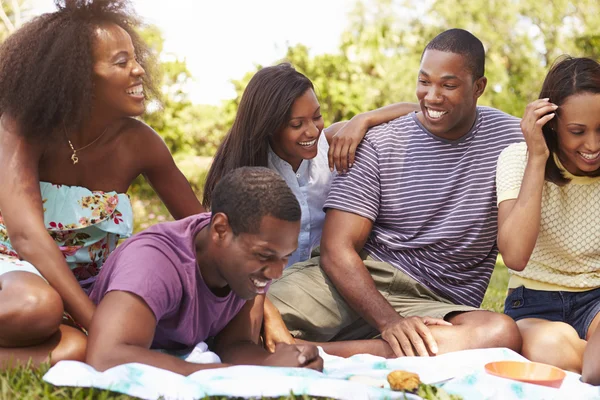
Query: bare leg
x=477, y=330
x=554, y=343
x=30, y=310
x=67, y=343
x=591, y=356
x=348, y=348
x=30, y=316
x=469, y=330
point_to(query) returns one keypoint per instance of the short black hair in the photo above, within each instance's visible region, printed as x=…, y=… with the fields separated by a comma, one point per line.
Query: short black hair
x=461, y=42
x=248, y=194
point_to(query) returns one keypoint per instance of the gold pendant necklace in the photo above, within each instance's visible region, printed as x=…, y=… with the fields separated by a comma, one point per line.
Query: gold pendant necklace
x=74, y=157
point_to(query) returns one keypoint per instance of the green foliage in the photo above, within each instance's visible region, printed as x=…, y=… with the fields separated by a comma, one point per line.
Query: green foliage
x=169, y=114
x=430, y=392
x=379, y=55
x=496, y=291
x=24, y=383
x=10, y=17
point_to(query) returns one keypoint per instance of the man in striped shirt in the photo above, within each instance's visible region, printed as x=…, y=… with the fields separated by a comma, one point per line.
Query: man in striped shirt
x=409, y=241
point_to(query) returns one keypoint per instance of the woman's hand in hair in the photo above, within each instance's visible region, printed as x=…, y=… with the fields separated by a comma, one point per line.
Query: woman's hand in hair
x=344, y=142
x=537, y=114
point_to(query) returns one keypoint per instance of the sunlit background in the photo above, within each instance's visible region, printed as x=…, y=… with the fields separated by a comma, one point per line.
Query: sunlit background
x=223, y=39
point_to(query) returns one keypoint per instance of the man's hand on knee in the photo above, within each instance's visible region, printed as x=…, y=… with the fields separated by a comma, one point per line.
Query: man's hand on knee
x=412, y=334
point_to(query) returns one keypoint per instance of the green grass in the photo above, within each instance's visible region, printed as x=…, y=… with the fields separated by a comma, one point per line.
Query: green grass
x=496, y=292
x=27, y=384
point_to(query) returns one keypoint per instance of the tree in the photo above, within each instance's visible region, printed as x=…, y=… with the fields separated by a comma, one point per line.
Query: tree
x=168, y=115
x=10, y=16
x=380, y=50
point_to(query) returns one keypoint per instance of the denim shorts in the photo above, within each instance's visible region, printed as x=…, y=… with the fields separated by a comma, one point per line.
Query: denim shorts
x=577, y=309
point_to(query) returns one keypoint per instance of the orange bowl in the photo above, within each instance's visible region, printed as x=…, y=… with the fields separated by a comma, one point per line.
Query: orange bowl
x=530, y=372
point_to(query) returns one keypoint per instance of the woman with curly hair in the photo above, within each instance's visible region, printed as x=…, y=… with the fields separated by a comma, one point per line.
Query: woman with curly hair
x=70, y=83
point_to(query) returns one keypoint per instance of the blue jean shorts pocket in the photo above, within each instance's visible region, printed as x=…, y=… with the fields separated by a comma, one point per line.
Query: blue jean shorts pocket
x=530, y=303
x=514, y=301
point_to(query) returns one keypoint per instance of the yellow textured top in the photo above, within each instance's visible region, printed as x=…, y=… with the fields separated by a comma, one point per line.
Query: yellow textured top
x=567, y=251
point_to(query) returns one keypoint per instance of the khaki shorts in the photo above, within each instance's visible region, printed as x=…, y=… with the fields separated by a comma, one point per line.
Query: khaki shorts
x=314, y=310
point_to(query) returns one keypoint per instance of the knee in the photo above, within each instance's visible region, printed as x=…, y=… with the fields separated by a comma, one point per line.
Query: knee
x=31, y=311
x=539, y=340
x=72, y=346
x=40, y=311
x=500, y=330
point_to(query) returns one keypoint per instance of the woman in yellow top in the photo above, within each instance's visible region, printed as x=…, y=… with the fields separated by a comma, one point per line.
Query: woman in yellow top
x=549, y=216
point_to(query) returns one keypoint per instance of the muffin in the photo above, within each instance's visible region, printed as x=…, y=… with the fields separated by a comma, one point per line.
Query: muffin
x=403, y=380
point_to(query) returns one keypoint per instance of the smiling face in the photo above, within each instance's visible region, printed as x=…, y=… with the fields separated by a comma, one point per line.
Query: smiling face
x=447, y=94
x=118, y=88
x=578, y=134
x=299, y=138
x=250, y=261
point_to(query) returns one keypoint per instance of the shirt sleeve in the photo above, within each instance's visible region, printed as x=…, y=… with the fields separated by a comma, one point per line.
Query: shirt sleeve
x=146, y=271
x=510, y=171
x=358, y=191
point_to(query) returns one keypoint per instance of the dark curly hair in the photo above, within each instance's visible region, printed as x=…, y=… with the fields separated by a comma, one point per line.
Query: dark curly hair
x=247, y=194
x=46, y=77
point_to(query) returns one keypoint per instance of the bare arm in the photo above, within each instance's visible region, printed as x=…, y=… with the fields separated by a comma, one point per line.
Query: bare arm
x=238, y=343
x=274, y=328
x=166, y=179
x=519, y=220
x=122, y=331
x=344, y=137
x=22, y=211
x=344, y=235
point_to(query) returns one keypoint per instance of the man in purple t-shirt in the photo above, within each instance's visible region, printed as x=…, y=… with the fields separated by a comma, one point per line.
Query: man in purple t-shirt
x=205, y=276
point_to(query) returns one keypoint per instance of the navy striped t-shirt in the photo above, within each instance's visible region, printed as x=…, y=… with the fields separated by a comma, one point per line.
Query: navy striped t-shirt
x=432, y=201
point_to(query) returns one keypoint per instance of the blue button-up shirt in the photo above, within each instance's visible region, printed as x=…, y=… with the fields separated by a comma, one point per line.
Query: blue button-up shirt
x=310, y=184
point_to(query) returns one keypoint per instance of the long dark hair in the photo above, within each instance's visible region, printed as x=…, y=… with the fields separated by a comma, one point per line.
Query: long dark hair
x=264, y=110
x=46, y=66
x=567, y=77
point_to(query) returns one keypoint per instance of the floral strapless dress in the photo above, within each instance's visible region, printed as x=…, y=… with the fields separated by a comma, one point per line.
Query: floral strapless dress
x=86, y=226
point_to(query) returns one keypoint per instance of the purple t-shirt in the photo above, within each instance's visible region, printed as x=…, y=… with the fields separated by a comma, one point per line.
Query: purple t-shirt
x=159, y=265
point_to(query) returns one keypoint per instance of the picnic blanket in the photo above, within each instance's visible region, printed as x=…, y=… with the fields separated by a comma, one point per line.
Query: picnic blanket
x=458, y=373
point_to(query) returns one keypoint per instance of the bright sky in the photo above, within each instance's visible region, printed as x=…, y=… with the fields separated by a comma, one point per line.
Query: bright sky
x=223, y=39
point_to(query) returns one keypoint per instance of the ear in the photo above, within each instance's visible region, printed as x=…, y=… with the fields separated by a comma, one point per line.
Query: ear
x=220, y=229
x=479, y=87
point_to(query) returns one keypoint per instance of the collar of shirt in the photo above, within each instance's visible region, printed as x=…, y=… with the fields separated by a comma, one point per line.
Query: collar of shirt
x=310, y=184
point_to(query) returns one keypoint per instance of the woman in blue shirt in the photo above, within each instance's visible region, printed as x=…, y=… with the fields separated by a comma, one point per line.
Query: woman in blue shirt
x=279, y=125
